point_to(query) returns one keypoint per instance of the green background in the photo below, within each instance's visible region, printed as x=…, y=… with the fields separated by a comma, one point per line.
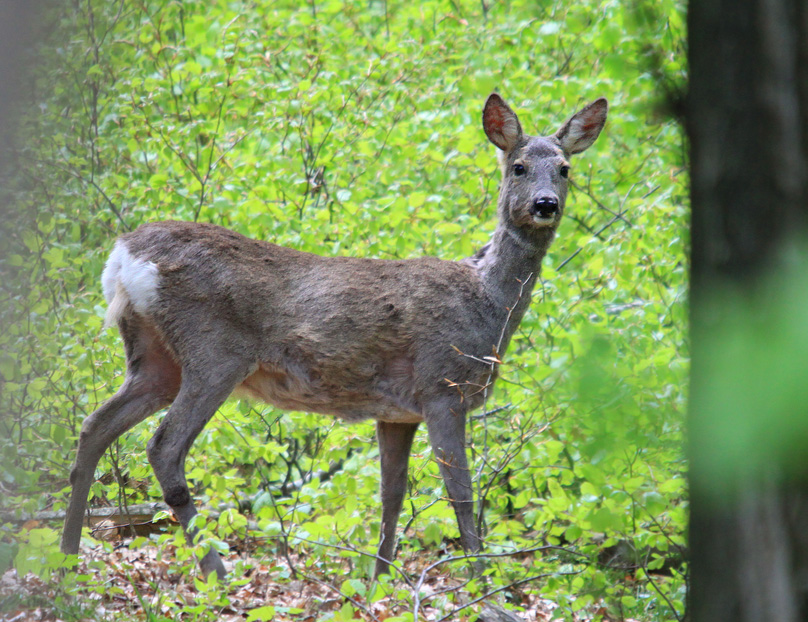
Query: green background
x=355, y=129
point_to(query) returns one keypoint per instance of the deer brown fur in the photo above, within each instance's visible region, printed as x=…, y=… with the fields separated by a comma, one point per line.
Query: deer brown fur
x=205, y=312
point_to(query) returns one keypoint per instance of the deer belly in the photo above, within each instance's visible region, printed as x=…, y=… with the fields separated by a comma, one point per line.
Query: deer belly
x=289, y=391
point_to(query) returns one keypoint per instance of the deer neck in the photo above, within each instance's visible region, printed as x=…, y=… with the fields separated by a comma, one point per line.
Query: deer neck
x=508, y=267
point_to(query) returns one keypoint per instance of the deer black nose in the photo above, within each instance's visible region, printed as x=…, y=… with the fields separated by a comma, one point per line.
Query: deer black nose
x=545, y=206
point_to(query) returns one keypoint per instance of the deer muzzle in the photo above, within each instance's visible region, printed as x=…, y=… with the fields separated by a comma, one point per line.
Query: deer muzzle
x=544, y=207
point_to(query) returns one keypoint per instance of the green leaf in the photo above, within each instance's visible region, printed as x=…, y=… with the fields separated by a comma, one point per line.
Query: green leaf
x=432, y=534
x=261, y=614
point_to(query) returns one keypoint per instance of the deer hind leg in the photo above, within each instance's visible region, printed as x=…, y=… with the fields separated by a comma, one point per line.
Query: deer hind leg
x=201, y=394
x=395, y=442
x=152, y=380
x=447, y=431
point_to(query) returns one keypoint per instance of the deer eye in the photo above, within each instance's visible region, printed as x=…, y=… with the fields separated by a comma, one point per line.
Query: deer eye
x=518, y=170
x=565, y=171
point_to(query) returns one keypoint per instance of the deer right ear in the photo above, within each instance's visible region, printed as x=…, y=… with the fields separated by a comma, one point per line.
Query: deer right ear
x=582, y=128
x=500, y=123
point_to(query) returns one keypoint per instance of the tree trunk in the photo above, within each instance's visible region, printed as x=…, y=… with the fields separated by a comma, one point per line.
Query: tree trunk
x=747, y=120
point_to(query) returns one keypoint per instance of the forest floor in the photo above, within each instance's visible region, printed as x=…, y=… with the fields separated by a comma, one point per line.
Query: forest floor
x=147, y=583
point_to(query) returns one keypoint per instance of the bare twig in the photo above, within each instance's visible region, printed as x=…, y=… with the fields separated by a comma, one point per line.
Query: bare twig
x=617, y=217
x=492, y=368
x=664, y=597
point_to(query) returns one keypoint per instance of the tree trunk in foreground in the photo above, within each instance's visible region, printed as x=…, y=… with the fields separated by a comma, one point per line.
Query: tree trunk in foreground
x=747, y=120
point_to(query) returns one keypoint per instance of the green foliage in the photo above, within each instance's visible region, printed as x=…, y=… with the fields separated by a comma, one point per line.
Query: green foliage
x=37, y=554
x=354, y=128
x=757, y=339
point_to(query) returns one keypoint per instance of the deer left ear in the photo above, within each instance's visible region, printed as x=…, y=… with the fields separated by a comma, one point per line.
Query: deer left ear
x=583, y=128
x=501, y=124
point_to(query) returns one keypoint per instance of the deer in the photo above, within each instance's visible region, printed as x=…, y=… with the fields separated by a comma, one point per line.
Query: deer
x=205, y=313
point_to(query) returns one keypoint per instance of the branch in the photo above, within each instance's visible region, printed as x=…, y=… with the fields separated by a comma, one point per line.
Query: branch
x=619, y=216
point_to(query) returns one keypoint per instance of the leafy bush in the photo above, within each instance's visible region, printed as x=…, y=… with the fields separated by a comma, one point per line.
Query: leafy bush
x=354, y=128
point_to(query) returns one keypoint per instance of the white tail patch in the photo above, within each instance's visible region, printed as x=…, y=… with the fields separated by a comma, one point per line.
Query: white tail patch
x=128, y=280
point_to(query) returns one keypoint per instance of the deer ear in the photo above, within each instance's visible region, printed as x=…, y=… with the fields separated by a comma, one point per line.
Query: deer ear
x=582, y=128
x=500, y=123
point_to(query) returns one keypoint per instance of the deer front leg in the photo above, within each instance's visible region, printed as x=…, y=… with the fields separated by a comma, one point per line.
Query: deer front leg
x=447, y=434
x=395, y=442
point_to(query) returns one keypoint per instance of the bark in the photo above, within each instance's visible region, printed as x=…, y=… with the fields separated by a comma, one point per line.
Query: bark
x=747, y=120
